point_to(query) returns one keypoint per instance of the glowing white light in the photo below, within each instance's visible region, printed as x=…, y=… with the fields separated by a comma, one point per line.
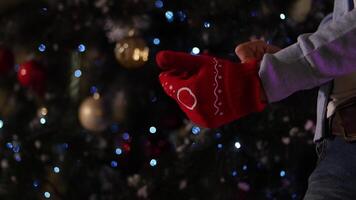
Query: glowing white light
x=282, y=16
x=81, y=48
x=195, y=51
x=47, y=195
x=207, y=24
x=195, y=130
x=56, y=170
x=78, y=73
x=153, y=129
x=1, y=124
x=42, y=48
x=170, y=16
x=118, y=151
x=282, y=173
x=237, y=145
x=153, y=162
x=156, y=41
x=42, y=120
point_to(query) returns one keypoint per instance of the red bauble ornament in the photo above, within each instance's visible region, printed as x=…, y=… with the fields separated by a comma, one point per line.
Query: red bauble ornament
x=31, y=75
x=6, y=60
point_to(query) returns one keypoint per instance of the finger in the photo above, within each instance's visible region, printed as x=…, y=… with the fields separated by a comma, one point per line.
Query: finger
x=244, y=53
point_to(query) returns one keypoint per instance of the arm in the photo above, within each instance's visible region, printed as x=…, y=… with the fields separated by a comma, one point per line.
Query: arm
x=315, y=59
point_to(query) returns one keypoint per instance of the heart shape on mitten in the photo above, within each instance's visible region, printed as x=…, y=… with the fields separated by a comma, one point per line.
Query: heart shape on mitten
x=211, y=91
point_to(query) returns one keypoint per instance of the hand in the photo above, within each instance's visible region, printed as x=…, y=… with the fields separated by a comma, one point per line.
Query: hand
x=211, y=91
x=254, y=50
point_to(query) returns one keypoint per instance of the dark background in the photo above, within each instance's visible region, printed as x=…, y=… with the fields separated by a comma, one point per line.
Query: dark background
x=140, y=145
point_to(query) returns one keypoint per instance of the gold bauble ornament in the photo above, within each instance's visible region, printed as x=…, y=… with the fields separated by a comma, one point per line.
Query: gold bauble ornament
x=132, y=52
x=92, y=115
x=300, y=10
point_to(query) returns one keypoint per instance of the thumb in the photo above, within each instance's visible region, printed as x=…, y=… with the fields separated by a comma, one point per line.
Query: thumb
x=172, y=60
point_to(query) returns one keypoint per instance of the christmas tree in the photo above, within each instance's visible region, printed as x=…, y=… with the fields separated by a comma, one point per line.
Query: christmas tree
x=83, y=116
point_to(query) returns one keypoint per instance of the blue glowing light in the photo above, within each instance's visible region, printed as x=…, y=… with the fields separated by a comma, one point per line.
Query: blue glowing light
x=47, y=195
x=153, y=129
x=153, y=162
x=156, y=41
x=218, y=135
x=9, y=145
x=207, y=24
x=220, y=146
x=93, y=89
x=244, y=167
x=114, y=164
x=16, y=148
x=195, y=51
x=237, y=145
x=195, y=130
x=169, y=16
x=56, y=170
x=234, y=173
x=17, y=157
x=282, y=173
x=182, y=16
x=42, y=48
x=81, y=48
x=42, y=120
x=282, y=16
x=1, y=123
x=126, y=136
x=159, y=4
x=77, y=73
x=36, y=183
x=118, y=151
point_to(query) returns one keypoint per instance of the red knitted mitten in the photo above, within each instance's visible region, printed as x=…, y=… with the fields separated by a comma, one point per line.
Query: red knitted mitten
x=211, y=91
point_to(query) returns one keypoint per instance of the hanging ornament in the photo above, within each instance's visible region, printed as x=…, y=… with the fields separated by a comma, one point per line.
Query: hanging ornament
x=31, y=75
x=300, y=10
x=6, y=60
x=92, y=114
x=42, y=112
x=132, y=52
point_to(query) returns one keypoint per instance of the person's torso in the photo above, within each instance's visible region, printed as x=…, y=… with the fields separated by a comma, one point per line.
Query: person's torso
x=341, y=7
x=344, y=89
